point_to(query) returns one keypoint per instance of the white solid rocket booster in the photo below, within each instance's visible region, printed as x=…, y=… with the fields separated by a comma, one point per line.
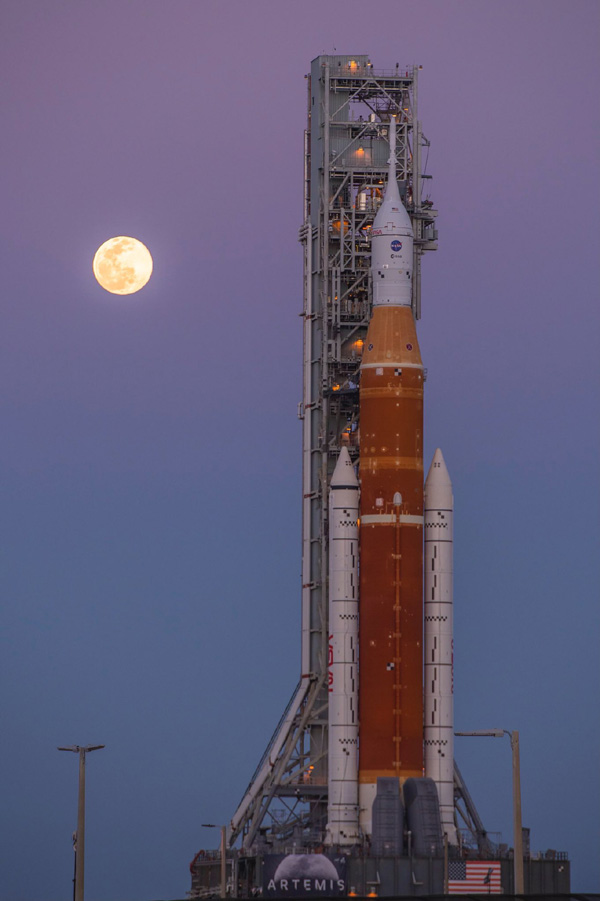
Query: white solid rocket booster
x=439, y=705
x=343, y=654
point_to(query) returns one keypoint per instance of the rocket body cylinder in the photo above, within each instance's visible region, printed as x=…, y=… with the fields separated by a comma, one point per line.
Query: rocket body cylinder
x=342, y=826
x=439, y=702
x=391, y=513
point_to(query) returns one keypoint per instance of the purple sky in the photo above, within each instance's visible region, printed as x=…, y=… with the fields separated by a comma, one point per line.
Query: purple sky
x=150, y=458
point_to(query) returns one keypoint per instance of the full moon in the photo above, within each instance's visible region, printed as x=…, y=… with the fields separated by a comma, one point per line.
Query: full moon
x=122, y=265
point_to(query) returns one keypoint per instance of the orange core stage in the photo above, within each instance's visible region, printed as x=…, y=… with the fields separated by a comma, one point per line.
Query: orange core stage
x=391, y=548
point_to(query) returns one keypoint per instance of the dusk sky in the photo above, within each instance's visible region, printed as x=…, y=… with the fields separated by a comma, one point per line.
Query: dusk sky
x=151, y=452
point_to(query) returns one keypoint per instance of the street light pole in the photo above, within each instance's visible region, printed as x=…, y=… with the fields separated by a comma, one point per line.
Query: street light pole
x=518, y=823
x=516, y=780
x=223, y=862
x=223, y=855
x=80, y=840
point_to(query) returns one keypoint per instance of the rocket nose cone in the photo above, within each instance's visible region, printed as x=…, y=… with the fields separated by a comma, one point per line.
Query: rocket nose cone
x=343, y=474
x=438, y=487
x=392, y=215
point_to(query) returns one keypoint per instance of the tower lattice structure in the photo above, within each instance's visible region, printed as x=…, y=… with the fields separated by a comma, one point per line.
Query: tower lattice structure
x=345, y=164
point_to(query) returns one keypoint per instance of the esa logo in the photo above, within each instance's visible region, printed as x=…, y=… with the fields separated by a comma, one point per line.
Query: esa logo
x=396, y=245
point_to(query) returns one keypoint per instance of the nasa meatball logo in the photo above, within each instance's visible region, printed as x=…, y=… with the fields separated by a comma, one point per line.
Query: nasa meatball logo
x=396, y=245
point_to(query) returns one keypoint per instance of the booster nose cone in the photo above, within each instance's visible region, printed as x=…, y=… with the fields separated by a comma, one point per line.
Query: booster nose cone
x=343, y=474
x=438, y=487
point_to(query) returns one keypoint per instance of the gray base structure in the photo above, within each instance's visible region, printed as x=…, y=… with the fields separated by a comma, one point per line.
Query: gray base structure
x=384, y=877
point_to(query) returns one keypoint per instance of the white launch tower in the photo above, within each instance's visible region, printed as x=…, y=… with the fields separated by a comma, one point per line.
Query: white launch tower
x=345, y=169
x=347, y=146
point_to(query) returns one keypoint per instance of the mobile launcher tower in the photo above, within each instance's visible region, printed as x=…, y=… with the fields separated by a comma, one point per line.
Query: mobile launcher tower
x=358, y=788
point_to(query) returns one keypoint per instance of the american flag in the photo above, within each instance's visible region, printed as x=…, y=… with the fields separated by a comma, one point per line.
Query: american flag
x=481, y=876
